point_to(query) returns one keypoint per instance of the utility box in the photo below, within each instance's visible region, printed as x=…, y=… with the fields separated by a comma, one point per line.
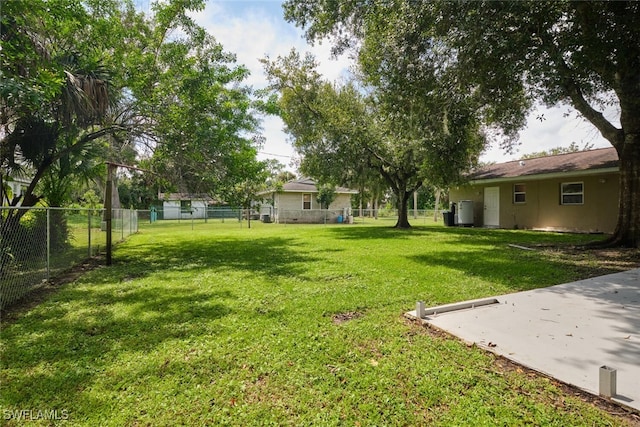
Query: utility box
x=465, y=212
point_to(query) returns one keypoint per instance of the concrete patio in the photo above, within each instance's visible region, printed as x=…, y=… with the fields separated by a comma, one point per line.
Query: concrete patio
x=567, y=331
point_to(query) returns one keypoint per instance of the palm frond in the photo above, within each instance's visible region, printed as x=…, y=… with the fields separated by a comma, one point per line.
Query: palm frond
x=85, y=99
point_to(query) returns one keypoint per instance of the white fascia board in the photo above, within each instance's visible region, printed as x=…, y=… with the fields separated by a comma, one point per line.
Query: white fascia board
x=539, y=177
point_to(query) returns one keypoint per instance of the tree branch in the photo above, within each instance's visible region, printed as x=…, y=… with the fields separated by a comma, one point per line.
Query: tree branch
x=29, y=199
x=573, y=91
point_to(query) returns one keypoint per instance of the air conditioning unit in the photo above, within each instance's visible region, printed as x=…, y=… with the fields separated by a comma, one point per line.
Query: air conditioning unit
x=465, y=213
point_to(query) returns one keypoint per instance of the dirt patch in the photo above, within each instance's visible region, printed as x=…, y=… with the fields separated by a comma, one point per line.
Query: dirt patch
x=40, y=293
x=341, y=318
x=593, y=262
x=627, y=414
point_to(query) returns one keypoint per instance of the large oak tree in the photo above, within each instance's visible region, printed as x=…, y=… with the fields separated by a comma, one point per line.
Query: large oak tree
x=344, y=134
x=508, y=55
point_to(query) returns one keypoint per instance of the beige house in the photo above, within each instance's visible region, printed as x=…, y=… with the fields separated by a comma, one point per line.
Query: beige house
x=568, y=192
x=296, y=202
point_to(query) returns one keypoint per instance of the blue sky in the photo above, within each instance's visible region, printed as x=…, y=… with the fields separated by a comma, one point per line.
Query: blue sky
x=253, y=29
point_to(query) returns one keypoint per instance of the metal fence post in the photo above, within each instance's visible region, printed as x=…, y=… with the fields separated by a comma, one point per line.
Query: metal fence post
x=89, y=232
x=108, y=210
x=48, y=243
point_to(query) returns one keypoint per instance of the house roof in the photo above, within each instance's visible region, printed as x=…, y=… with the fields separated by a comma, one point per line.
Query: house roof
x=580, y=162
x=304, y=185
x=307, y=185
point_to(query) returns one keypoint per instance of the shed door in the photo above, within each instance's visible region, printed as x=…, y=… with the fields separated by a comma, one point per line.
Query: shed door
x=492, y=207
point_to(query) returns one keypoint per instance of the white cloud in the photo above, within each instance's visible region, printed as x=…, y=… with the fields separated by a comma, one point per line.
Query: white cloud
x=559, y=127
x=253, y=29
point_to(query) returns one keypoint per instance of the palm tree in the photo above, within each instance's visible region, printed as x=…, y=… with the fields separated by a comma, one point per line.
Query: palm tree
x=47, y=124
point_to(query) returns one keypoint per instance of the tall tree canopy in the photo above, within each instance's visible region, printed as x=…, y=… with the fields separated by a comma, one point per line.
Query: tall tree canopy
x=55, y=89
x=101, y=79
x=508, y=54
x=343, y=134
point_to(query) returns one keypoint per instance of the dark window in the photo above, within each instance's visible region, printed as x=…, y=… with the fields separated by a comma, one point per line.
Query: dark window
x=306, y=201
x=572, y=193
x=519, y=193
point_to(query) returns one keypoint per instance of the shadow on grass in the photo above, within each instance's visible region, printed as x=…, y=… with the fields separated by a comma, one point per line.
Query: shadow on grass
x=356, y=232
x=514, y=268
x=133, y=307
x=58, y=349
x=497, y=266
x=272, y=257
x=480, y=235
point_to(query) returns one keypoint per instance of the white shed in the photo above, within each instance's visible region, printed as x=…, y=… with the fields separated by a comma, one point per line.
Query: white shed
x=184, y=205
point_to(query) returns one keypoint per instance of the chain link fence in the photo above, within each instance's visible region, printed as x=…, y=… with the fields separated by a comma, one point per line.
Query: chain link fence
x=415, y=216
x=289, y=216
x=38, y=243
x=176, y=213
x=352, y=216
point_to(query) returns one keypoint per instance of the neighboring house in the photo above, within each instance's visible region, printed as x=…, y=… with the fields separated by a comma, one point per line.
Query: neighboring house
x=184, y=205
x=17, y=185
x=568, y=192
x=296, y=202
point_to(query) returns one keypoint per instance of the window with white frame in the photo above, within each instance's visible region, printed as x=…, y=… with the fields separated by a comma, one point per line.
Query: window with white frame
x=306, y=201
x=519, y=193
x=572, y=193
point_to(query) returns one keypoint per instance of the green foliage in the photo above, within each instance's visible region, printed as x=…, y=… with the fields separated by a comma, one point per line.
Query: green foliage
x=58, y=111
x=137, y=191
x=326, y=121
x=27, y=239
x=89, y=81
x=572, y=148
x=35, y=138
x=220, y=325
x=203, y=115
x=250, y=181
x=31, y=228
x=326, y=195
x=403, y=138
x=90, y=200
x=505, y=55
x=76, y=169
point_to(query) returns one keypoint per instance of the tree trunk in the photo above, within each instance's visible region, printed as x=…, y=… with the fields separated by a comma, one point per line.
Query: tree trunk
x=403, y=210
x=375, y=208
x=627, y=231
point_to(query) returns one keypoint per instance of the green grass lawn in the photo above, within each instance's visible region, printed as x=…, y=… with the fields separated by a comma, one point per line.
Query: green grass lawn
x=217, y=324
